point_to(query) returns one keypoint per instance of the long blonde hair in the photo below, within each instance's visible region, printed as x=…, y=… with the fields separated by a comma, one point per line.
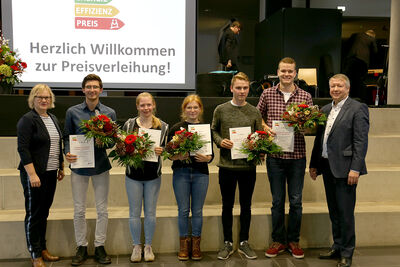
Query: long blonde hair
x=156, y=123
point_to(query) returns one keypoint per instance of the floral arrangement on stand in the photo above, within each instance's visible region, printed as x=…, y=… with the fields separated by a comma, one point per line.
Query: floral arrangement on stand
x=11, y=66
x=183, y=142
x=131, y=149
x=257, y=145
x=304, y=118
x=102, y=129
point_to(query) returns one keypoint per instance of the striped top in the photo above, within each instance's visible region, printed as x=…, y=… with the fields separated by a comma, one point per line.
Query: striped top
x=53, y=162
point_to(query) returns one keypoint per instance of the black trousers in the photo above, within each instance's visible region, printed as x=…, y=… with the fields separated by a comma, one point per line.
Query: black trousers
x=341, y=199
x=357, y=71
x=227, y=183
x=38, y=201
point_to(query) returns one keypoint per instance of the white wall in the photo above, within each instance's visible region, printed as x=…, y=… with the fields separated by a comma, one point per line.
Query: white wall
x=357, y=8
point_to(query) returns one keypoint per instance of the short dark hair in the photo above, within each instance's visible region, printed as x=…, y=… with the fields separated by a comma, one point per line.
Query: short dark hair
x=92, y=77
x=236, y=24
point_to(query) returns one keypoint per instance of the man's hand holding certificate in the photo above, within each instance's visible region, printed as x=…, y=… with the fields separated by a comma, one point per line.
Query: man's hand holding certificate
x=284, y=135
x=237, y=136
x=83, y=149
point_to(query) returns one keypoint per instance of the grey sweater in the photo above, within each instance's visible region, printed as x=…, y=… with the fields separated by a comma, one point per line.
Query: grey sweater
x=229, y=116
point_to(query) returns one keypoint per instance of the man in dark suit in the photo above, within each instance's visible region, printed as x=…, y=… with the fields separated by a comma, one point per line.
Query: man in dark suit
x=356, y=63
x=339, y=154
x=228, y=48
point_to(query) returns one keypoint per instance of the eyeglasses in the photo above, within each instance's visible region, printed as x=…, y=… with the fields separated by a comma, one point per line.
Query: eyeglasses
x=92, y=86
x=47, y=98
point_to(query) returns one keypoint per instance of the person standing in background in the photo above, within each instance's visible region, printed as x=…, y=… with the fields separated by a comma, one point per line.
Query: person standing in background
x=228, y=47
x=356, y=63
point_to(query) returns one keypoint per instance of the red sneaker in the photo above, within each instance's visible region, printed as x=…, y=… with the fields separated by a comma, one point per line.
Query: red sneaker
x=275, y=249
x=296, y=250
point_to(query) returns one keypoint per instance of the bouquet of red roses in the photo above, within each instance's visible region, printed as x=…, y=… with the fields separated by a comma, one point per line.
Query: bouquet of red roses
x=259, y=143
x=183, y=142
x=131, y=149
x=102, y=128
x=304, y=117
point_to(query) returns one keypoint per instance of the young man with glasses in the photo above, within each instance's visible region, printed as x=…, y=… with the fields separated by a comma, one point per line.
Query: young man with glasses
x=92, y=87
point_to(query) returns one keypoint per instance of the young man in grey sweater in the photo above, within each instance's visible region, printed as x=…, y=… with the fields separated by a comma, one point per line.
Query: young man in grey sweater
x=233, y=114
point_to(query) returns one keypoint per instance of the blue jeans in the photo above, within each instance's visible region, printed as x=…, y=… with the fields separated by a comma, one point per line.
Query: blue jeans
x=190, y=187
x=138, y=191
x=280, y=172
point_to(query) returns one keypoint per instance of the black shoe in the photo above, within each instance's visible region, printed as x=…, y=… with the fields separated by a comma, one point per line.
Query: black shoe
x=101, y=256
x=344, y=262
x=331, y=254
x=80, y=257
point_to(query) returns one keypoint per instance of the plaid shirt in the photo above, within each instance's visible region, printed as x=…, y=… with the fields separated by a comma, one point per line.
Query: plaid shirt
x=272, y=105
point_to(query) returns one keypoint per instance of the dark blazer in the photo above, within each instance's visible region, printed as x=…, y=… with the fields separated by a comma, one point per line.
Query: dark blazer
x=34, y=141
x=347, y=142
x=362, y=47
x=228, y=47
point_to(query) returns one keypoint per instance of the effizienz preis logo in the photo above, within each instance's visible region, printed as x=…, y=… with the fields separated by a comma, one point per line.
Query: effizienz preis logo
x=96, y=15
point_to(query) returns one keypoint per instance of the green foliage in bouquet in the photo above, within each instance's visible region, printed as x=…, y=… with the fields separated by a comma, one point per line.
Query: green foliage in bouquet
x=257, y=144
x=102, y=128
x=11, y=66
x=131, y=149
x=303, y=117
x=183, y=142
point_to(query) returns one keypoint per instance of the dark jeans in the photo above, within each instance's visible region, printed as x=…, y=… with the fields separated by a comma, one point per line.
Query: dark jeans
x=227, y=183
x=341, y=200
x=38, y=201
x=280, y=172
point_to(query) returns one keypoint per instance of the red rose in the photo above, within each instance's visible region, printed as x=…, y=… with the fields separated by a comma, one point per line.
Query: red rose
x=130, y=139
x=303, y=106
x=262, y=132
x=23, y=64
x=108, y=127
x=87, y=126
x=103, y=118
x=188, y=134
x=95, y=119
x=15, y=68
x=130, y=149
x=179, y=132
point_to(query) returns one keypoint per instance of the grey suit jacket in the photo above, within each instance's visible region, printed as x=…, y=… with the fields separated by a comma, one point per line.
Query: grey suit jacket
x=347, y=142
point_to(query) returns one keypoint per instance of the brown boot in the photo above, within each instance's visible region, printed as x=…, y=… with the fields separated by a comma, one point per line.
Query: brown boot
x=38, y=262
x=48, y=257
x=196, y=252
x=183, y=253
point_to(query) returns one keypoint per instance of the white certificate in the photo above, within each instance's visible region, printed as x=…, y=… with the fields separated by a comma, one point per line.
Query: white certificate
x=238, y=136
x=155, y=136
x=84, y=150
x=284, y=135
x=205, y=135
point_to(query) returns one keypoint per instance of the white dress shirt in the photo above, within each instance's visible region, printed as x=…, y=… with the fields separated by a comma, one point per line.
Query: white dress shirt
x=329, y=123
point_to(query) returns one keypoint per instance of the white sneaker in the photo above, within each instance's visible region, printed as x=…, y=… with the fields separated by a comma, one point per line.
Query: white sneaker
x=148, y=253
x=136, y=253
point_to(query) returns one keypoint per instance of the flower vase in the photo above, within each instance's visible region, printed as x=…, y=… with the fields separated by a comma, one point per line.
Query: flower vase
x=6, y=88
